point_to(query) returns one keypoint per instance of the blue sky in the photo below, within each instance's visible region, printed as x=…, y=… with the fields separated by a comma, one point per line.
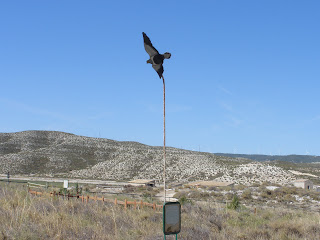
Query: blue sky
x=243, y=76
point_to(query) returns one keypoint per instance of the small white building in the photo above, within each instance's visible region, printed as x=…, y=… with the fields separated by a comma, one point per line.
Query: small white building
x=303, y=183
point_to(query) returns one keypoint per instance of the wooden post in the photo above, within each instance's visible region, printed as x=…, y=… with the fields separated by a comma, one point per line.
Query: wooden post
x=141, y=204
x=115, y=201
x=125, y=204
x=87, y=198
x=154, y=206
x=164, y=139
x=95, y=198
x=135, y=204
x=255, y=211
x=102, y=199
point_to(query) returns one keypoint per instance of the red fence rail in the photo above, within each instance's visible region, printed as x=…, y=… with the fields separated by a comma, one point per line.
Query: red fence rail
x=85, y=199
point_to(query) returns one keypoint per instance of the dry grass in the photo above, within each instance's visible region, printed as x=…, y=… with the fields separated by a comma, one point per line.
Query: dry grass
x=24, y=216
x=31, y=217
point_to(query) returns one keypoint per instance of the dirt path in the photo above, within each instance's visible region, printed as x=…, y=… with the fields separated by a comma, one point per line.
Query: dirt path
x=169, y=195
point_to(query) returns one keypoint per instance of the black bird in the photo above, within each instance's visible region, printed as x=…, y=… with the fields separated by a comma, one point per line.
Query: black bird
x=156, y=59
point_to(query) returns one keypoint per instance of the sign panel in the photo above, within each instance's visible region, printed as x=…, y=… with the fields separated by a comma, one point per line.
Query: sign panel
x=65, y=183
x=171, y=218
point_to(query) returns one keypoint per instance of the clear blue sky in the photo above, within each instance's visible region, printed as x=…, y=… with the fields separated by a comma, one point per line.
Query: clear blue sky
x=244, y=76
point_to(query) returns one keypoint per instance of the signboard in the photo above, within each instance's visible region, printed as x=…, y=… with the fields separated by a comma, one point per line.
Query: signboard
x=65, y=183
x=171, y=218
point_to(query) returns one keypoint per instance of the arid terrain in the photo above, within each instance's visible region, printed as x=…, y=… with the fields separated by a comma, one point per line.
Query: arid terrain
x=261, y=202
x=58, y=154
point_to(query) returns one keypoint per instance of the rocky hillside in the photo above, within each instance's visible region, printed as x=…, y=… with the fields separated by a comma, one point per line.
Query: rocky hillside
x=266, y=158
x=49, y=153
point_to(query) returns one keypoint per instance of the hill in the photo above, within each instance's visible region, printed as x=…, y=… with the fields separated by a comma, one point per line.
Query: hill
x=284, y=158
x=51, y=153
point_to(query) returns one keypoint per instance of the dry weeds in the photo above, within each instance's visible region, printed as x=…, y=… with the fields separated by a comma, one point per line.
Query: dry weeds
x=24, y=216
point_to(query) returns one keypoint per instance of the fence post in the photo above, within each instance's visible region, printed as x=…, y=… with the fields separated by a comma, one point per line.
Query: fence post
x=135, y=204
x=102, y=199
x=115, y=201
x=125, y=204
x=154, y=206
x=95, y=198
x=141, y=204
x=87, y=199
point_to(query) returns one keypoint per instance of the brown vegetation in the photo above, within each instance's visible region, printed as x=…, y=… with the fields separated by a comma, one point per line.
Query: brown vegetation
x=24, y=216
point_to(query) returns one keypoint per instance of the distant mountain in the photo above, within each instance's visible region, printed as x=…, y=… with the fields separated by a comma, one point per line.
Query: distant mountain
x=59, y=154
x=264, y=158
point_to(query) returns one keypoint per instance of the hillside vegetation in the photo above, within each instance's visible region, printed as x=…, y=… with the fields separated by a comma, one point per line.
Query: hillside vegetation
x=265, y=158
x=49, y=153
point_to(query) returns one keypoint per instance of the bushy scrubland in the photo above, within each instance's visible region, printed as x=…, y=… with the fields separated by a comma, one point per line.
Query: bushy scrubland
x=24, y=216
x=287, y=196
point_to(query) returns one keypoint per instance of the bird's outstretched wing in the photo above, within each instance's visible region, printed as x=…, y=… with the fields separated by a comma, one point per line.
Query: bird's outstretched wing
x=159, y=69
x=148, y=46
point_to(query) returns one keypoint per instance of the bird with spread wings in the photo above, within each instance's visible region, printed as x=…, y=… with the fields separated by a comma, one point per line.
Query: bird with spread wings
x=156, y=59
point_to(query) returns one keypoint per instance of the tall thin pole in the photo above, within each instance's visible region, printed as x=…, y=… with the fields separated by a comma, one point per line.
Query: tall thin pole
x=164, y=139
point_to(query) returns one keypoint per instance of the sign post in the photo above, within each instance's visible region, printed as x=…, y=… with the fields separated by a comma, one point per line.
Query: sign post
x=171, y=219
x=171, y=210
x=65, y=184
x=164, y=140
x=8, y=177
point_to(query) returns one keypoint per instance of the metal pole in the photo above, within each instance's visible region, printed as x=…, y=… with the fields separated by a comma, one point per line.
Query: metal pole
x=164, y=139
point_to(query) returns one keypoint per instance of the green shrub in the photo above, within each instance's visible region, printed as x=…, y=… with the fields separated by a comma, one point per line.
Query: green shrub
x=183, y=200
x=235, y=203
x=147, y=197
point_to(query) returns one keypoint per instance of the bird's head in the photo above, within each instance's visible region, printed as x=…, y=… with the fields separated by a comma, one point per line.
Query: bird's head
x=167, y=55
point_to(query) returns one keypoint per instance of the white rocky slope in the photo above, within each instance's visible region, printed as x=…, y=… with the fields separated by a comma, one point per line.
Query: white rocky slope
x=56, y=153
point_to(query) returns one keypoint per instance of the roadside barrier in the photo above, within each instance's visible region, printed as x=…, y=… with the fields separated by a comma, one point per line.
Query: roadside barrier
x=86, y=198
